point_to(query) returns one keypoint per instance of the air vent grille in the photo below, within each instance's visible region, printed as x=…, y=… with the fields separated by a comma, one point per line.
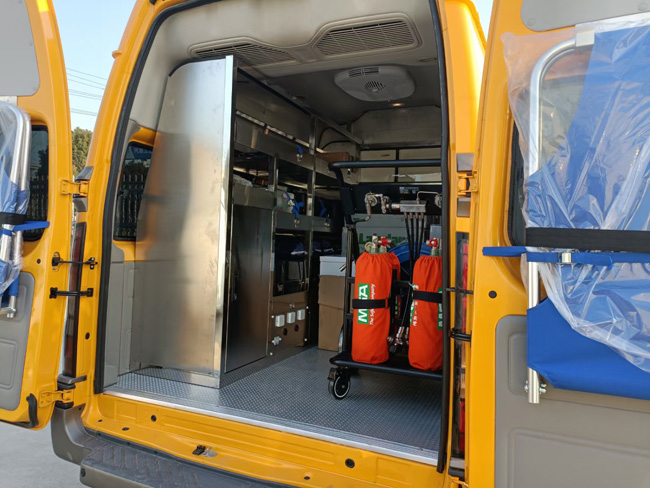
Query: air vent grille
x=368, y=37
x=250, y=54
x=372, y=70
x=374, y=86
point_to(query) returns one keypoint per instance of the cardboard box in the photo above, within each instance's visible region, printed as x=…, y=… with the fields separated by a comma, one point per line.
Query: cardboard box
x=331, y=293
x=329, y=327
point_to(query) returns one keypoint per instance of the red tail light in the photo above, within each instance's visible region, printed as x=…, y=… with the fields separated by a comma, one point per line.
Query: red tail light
x=72, y=319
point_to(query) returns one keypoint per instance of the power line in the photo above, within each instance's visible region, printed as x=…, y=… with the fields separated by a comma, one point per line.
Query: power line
x=86, y=74
x=77, y=93
x=86, y=84
x=85, y=80
x=83, y=112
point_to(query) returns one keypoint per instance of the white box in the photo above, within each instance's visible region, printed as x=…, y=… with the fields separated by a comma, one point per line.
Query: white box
x=331, y=266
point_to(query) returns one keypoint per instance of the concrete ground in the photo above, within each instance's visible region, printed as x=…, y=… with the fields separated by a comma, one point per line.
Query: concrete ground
x=27, y=460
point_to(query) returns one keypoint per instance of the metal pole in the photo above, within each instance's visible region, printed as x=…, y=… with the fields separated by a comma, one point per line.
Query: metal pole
x=23, y=186
x=533, y=386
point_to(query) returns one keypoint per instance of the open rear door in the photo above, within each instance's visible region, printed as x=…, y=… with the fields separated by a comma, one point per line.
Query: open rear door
x=558, y=407
x=35, y=135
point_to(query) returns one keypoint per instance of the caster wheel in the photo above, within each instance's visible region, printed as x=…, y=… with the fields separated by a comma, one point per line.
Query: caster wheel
x=339, y=386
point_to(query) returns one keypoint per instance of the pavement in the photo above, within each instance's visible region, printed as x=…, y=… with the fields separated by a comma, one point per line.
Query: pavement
x=27, y=460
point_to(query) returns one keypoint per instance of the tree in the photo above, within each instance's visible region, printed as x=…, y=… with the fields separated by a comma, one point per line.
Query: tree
x=80, y=144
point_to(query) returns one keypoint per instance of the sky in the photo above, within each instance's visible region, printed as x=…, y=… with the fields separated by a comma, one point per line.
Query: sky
x=90, y=32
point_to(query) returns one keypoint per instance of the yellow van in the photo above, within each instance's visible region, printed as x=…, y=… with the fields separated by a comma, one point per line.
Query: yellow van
x=196, y=348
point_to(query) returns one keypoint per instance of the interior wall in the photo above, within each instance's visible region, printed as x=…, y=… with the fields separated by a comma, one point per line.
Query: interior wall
x=400, y=126
x=120, y=303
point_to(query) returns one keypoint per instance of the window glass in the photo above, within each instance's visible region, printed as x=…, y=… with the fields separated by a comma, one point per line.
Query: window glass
x=516, y=222
x=38, y=180
x=130, y=190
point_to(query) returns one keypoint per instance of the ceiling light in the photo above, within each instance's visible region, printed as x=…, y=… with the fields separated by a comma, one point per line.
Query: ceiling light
x=397, y=104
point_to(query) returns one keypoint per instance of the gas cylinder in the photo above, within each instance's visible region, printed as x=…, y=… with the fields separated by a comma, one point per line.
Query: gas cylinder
x=425, y=334
x=372, y=313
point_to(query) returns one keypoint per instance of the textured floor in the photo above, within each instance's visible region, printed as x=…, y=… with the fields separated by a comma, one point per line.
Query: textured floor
x=388, y=412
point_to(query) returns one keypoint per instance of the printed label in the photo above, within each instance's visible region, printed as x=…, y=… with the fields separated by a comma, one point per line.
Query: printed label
x=363, y=315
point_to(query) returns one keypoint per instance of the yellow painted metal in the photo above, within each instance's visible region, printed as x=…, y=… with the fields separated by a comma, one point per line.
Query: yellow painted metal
x=467, y=184
x=464, y=50
x=489, y=228
x=79, y=188
x=246, y=449
x=48, y=106
x=48, y=397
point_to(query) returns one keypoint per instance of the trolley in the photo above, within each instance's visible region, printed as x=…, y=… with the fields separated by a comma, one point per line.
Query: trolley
x=420, y=203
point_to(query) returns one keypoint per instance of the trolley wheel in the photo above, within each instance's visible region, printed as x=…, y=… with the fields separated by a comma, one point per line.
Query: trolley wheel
x=338, y=383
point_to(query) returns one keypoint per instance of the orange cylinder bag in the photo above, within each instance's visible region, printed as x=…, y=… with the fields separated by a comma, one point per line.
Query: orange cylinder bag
x=425, y=334
x=372, y=314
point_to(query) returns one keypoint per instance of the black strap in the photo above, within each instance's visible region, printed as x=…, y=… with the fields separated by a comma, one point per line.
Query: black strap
x=7, y=218
x=367, y=304
x=427, y=296
x=589, y=239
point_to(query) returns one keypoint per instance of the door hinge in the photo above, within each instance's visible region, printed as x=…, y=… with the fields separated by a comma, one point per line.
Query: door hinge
x=48, y=397
x=467, y=183
x=77, y=188
x=459, y=482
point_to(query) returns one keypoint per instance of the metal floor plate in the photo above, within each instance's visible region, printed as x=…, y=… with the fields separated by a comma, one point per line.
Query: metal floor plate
x=385, y=413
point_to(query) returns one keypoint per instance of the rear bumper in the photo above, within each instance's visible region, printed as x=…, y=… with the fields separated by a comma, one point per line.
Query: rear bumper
x=109, y=463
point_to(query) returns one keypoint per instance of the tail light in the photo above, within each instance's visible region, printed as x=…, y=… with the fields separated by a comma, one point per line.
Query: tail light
x=72, y=319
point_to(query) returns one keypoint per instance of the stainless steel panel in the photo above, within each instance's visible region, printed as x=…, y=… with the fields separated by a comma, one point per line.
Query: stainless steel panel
x=253, y=197
x=256, y=101
x=250, y=286
x=181, y=245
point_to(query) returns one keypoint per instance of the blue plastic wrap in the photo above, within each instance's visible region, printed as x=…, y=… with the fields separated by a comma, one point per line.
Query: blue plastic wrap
x=14, y=144
x=594, y=172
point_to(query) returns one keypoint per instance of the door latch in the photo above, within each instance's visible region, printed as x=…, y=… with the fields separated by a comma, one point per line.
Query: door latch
x=55, y=292
x=457, y=335
x=78, y=188
x=467, y=183
x=48, y=397
x=56, y=261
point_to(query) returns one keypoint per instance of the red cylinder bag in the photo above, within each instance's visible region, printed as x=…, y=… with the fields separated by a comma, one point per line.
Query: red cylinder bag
x=425, y=334
x=372, y=315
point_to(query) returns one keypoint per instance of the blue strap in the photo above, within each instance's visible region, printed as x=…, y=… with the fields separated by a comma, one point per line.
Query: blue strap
x=32, y=225
x=593, y=258
x=504, y=251
x=296, y=209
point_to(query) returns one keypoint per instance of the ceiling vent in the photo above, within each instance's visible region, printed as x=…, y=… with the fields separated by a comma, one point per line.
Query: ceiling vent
x=248, y=53
x=376, y=83
x=367, y=37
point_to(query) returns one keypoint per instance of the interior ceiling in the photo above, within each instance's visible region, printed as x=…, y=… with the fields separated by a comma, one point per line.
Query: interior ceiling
x=318, y=91
x=299, y=45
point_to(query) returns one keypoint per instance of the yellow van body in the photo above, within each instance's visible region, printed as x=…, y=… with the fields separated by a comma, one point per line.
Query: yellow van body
x=480, y=126
x=248, y=450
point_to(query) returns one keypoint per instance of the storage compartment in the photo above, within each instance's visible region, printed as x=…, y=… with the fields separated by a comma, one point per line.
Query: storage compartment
x=231, y=306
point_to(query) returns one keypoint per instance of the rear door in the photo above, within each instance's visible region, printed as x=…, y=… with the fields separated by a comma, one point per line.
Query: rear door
x=570, y=438
x=33, y=92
